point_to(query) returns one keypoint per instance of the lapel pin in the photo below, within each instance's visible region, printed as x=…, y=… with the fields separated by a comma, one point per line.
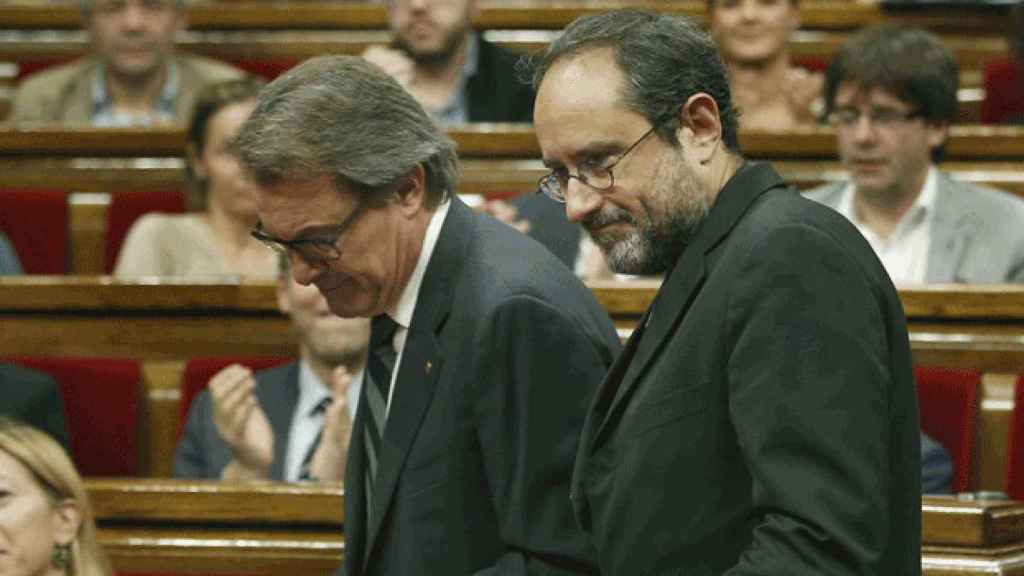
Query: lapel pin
x=427, y=367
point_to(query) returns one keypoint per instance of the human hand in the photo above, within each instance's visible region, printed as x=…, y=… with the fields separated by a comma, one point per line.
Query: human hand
x=393, y=62
x=328, y=463
x=505, y=212
x=804, y=89
x=240, y=420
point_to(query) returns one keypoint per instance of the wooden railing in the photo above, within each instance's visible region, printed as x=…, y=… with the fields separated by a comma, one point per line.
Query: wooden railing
x=184, y=527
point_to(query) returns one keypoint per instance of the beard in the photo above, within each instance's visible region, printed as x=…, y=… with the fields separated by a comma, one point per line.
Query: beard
x=655, y=239
x=450, y=46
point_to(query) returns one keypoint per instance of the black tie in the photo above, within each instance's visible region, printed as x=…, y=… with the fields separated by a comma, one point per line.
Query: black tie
x=379, y=366
x=320, y=408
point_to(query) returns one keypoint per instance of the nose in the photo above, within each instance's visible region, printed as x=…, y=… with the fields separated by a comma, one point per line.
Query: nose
x=580, y=200
x=748, y=10
x=863, y=130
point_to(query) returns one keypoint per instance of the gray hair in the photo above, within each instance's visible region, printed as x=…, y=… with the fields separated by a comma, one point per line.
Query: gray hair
x=665, y=59
x=344, y=117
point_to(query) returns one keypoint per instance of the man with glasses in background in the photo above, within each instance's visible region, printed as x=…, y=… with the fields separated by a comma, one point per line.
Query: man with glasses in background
x=484, y=349
x=132, y=75
x=762, y=418
x=891, y=94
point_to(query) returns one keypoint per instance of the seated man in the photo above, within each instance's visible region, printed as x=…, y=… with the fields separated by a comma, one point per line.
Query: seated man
x=33, y=398
x=936, y=467
x=286, y=423
x=890, y=92
x=132, y=77
x=9, y=264
x=454, y=73
x=753, y=36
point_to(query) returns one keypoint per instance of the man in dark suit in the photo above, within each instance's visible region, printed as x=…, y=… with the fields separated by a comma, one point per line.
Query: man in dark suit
x=286, y=423
x=484, y=350
x=763, y=418
x=34, y=398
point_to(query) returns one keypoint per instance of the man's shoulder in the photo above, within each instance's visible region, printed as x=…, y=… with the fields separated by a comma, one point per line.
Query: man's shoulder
x=276, y=375
x=40, y=96
x=58, y=76
x=827, y=194
x=982, y=200
x=15, y=374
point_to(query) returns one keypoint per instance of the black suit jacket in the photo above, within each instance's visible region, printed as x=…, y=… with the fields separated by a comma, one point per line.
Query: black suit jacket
x=495, y=93
x=201, y=453
x=33, y=398
x=503, y=354
x=763, y=419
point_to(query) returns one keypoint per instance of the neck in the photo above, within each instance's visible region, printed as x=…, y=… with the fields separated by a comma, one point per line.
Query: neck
x=444, y=72
x=324, y=368
x=135, y=93
x=721, y=169
x=231, y=229
x=754, y=82
x=882, y=211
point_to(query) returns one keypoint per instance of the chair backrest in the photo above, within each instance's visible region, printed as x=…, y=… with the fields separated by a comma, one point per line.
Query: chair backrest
x=198, y=372
x=948, y=401
x=101, y=409
x=1015, y=446
x=36, y=223
x=1004, y=91
x=125, y=209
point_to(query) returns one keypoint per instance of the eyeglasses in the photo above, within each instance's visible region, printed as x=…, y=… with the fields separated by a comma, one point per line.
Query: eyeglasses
x=597, y=175
x=881, y=117
x=314, y=251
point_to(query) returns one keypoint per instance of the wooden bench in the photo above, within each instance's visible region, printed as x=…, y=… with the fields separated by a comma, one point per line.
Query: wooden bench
x=282, y=529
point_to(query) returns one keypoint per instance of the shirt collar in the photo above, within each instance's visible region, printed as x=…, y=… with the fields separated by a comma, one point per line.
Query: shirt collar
x=312, y=390
x=403, y=309
x=103, y=113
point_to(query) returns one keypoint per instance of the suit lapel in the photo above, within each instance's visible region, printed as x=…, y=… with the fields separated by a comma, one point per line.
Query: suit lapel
x=278, y=397
x=355, y=505
x=421, y=362
x=684, y=281
x=952, y=229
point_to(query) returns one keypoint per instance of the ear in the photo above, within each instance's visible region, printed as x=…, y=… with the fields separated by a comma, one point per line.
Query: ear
x=938, y=133
x=412, y=191
x=700, y=128
x=195, y=160
x=67, y=518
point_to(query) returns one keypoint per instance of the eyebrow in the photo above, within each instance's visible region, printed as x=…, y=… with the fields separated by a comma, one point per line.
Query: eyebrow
x=601, y=147
x=302, y=235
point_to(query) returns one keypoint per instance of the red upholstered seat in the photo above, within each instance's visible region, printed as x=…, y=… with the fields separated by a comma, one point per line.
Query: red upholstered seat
x=1015, y=450
x=1004, y=91
x=198, y=372
x=125, y=209
x=267, y=68
x=101, y=408
x=36, y=223
x=948, y=401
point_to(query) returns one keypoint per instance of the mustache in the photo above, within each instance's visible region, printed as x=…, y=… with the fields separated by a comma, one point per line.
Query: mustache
x=606, y=217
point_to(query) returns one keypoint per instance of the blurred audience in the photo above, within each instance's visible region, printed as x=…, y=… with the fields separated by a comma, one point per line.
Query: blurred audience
x=46, y=524
x=34, y=398
x=891, y=93
x=753, y=37
x=212, y=239
x=286, y=423
x=451, y=70
x=131, y=77
x=9, y=263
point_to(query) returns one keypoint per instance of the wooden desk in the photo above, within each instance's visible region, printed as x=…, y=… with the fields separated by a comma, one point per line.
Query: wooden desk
x=283, y=529
x=513, y=14
x=189, y=527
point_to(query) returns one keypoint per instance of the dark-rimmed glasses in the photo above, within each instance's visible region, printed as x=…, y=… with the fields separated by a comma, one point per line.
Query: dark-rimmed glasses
x=595, y=175
x=883, y=117
x=314, y=250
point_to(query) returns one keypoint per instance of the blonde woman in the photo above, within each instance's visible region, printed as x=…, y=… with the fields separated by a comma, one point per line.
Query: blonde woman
x=46, y=525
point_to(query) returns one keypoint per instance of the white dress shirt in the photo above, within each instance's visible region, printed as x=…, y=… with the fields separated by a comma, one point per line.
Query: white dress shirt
x=402, y=312
x=905, y=252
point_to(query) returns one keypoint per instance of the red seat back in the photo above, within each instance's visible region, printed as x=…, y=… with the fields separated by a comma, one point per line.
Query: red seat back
x=198, y=372
x=1015, y=449
x=101, y=409
x=1004, y=91
x=949, y=408
x=125, y=209
x=36, y=223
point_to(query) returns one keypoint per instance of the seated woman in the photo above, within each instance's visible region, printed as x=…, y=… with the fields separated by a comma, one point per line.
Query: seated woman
x=753, y=37
x=46, y=526
x=214, y=238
